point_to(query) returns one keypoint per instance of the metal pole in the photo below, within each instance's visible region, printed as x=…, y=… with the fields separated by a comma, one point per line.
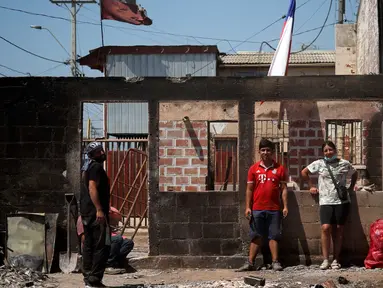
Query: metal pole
x=341, y=11
x=88, y=129
x=102, y=28
x=74, y=42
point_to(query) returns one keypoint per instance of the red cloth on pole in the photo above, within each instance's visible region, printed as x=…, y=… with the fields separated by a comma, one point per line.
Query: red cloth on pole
x=118, y=10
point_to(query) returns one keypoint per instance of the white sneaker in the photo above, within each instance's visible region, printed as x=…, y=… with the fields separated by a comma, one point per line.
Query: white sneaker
x=325, y=265
x=335, y=265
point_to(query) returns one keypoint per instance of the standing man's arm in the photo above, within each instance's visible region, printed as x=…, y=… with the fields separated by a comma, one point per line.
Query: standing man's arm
x=94, y=176
x=249, y=192
x=249, y=198
x=284, y=177
x=284, y=199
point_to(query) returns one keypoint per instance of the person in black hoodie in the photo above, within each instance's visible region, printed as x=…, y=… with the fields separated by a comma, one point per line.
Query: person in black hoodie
x=94, y=210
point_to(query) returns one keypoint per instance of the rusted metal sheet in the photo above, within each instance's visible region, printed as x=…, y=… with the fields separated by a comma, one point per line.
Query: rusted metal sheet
x=26, y=241
x=50, y=240
x=50, y=232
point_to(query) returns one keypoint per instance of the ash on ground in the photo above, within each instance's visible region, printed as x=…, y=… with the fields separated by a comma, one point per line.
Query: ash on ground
x=15, y=277
x=291, y=277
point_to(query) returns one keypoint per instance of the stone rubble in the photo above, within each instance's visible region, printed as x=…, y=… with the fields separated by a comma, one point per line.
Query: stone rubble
x=285, y=279
x=12, y=277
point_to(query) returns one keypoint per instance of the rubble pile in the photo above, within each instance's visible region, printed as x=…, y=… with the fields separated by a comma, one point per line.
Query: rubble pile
x=13, y=277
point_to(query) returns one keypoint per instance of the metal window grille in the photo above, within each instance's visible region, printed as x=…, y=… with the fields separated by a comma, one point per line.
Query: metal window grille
x=347, y=137
x=225, y=163
x=269, y=129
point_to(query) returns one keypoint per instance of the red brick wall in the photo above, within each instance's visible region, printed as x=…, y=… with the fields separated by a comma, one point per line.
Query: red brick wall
x=183, y=155
x=305, y=145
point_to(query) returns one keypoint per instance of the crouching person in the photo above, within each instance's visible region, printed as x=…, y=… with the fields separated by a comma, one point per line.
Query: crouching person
x=266, y=180
x=120, y=247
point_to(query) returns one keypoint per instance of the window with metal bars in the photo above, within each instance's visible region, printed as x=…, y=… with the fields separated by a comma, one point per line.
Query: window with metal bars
x=347, y=137
x=280, y=137
x=226, y=161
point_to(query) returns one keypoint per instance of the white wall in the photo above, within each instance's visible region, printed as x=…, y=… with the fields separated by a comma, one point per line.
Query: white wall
x=368, y=37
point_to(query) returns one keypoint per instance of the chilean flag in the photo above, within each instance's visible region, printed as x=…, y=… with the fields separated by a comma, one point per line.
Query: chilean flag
x=282, y=54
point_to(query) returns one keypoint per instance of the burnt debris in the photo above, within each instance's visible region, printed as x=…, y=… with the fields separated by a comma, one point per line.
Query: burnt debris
x=24, y=277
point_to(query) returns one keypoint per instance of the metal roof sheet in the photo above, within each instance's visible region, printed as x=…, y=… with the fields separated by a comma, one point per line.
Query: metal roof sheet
x=256, y=58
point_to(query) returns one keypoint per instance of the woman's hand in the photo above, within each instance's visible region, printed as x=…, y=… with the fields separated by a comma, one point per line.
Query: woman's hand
x=314, y=190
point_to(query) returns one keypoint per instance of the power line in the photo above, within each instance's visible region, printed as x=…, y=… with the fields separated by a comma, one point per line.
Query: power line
x=310, y=30
x=14, y=70
x=126, y=28
x=33, y=13
x=259, y=32
x=300, y=33
x=3, y=75
x=316, y=11
x=29, y=52
x=320, y=32
x=50, y=69
x=155, y=32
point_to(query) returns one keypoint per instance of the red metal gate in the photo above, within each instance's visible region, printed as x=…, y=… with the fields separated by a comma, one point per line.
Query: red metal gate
x=126, y=166
x=129, y=191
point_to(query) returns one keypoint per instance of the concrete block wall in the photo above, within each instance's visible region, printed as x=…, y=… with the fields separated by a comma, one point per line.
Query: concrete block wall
x=183, y=151
x=34, y=146
x=40, y=140
x=199, y=224
x=301, y=229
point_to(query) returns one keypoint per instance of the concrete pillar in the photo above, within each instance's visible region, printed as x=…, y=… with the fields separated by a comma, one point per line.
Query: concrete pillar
x=345, y=49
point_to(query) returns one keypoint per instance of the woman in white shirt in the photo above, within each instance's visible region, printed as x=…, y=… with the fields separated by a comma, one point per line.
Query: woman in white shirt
x=334, y=199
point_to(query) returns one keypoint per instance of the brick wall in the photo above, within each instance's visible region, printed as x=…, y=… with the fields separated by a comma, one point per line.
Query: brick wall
x=305, y=143
x=183, y=151
x=199, y=224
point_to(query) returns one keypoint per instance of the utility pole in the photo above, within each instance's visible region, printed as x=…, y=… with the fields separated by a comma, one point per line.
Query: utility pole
x=73, y=11
x=341, y=10
x=73, y=63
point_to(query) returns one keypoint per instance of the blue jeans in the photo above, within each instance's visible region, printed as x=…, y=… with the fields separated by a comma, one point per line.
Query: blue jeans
x=119, y=249
x=265, y=223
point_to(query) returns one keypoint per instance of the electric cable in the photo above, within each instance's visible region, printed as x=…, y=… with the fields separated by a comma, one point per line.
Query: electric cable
x=315, y=12
x=29, y=52
x=14, y=70
x=319, y=33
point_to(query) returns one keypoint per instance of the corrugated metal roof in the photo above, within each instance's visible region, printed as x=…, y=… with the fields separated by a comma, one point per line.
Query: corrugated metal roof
x=254, y=58
x=96, y=58
x=161, y=65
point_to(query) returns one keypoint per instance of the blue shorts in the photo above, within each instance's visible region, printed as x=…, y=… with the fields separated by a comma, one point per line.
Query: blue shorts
x=265, y=223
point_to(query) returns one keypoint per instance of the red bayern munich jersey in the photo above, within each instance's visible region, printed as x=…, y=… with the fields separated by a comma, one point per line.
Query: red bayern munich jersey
x=267, y=180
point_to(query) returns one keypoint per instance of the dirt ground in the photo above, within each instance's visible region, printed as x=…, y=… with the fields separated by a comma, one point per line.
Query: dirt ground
x=299, y=276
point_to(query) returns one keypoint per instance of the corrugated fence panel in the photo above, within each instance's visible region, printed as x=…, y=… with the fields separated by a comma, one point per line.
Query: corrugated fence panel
x=166, y=65
x=128, y=118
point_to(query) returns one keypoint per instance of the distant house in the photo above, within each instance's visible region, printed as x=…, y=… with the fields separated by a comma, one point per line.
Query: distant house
x=311, y=62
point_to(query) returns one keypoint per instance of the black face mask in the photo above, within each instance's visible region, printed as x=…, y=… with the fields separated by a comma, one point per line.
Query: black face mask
x=100, y=158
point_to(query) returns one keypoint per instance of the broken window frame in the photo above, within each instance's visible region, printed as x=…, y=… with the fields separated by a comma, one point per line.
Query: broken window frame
x=231, y=144
x=356, y=131
x=282, y=155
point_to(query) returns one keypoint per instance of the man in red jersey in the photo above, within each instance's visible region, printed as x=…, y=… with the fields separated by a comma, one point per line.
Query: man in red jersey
x=265, y=181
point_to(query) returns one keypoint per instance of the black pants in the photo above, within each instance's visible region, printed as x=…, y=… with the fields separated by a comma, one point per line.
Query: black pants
x=120, y=248
x=95, y=251
x=334, y=214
